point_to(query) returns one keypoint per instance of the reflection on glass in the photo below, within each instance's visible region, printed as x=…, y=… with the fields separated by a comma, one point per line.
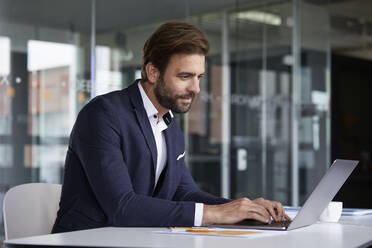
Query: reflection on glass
x=50, y=67
x=6, y=156
x=6, y=91
x=107, y=78
x=5, y=57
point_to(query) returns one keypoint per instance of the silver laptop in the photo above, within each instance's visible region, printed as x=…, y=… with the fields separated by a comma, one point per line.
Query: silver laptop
x=319, y=199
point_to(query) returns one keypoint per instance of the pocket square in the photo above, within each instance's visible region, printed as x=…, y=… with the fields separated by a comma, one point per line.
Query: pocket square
x=181, y=156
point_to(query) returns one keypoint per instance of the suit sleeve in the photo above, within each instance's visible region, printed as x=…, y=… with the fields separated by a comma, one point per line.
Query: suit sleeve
x=189, y=191
x=96, y=140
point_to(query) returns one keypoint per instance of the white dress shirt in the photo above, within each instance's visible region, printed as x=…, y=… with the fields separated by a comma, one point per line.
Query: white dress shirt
x=158, y=126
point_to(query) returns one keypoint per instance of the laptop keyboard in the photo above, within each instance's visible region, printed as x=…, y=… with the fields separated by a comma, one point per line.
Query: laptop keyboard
x=284, y=223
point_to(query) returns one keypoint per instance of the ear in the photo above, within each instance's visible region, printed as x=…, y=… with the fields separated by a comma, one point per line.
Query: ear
x=152, y=73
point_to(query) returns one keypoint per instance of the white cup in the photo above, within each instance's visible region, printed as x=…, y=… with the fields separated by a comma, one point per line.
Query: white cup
x=332, y=212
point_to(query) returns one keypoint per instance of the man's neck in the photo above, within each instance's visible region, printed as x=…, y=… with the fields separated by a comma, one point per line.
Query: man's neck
x=149, y=90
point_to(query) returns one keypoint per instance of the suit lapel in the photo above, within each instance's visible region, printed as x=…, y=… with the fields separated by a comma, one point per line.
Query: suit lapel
x=144, y=123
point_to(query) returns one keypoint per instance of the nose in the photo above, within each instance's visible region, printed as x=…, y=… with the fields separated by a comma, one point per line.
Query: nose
x=194, y=85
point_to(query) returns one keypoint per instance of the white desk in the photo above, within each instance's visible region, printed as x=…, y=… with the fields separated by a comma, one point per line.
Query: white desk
x=318, y=235
x=365, y=220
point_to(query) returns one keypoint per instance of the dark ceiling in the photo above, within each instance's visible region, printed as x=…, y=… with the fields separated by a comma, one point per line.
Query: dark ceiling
x=76, y=14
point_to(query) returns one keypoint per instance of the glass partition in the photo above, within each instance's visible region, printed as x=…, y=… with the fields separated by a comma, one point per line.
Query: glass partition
x=260, y=126
x=44, y=81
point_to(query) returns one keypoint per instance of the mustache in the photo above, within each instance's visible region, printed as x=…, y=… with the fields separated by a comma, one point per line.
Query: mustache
x=186, y=96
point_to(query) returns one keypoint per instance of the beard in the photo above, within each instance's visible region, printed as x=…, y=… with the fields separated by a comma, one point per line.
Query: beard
x=164, y=96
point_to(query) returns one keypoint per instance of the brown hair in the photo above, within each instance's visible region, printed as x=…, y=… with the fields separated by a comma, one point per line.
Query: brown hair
x=172, y=38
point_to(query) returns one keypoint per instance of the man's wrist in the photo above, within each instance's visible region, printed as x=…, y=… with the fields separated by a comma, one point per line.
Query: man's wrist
x=210, y=214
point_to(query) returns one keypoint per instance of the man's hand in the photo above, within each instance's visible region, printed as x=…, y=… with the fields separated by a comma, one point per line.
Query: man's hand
x=243, y=208
x=274, y=208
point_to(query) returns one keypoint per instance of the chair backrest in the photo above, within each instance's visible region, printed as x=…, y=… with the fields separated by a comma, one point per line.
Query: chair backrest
x=30, y=209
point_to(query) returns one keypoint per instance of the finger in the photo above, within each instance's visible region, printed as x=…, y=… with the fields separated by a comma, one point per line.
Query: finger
x=287, y=217
x=271, y=207
x=259, y=209
x=280, y=210
x=257, y=216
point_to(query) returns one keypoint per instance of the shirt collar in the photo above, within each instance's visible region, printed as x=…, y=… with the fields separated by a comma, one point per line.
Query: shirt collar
x=150, y=108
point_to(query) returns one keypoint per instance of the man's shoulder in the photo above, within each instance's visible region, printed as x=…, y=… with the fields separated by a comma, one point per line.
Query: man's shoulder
x=113, y=97
x=118, y=100
x=108, y=101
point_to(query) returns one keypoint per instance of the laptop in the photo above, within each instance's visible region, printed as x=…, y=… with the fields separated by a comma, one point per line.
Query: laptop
x=319, y=199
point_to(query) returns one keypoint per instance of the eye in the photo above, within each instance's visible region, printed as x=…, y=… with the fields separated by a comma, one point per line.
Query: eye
x=184, y=76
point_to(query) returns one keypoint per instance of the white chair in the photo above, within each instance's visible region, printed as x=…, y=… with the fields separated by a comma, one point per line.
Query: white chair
x=30, y=209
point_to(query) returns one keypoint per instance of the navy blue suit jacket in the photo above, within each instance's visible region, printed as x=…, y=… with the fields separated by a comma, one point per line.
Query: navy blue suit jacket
x=110, y=170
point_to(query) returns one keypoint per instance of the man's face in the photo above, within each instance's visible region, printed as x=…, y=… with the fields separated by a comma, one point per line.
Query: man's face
x=177, y=87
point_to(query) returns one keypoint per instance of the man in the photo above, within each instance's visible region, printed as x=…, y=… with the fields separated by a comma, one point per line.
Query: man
x=125, y=161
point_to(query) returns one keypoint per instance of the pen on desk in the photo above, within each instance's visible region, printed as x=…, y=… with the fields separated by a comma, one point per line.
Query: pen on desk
x=206, y=230
x=190, y=229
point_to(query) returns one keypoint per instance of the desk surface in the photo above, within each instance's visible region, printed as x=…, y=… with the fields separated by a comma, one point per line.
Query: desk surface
x=319, y=235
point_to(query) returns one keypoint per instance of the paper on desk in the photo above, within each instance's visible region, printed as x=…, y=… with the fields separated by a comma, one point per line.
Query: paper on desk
x=356, y=212
x=293, y=211
x=222, y=232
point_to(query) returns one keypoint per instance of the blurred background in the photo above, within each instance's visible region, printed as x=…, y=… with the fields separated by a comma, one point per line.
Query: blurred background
x=286, y=90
